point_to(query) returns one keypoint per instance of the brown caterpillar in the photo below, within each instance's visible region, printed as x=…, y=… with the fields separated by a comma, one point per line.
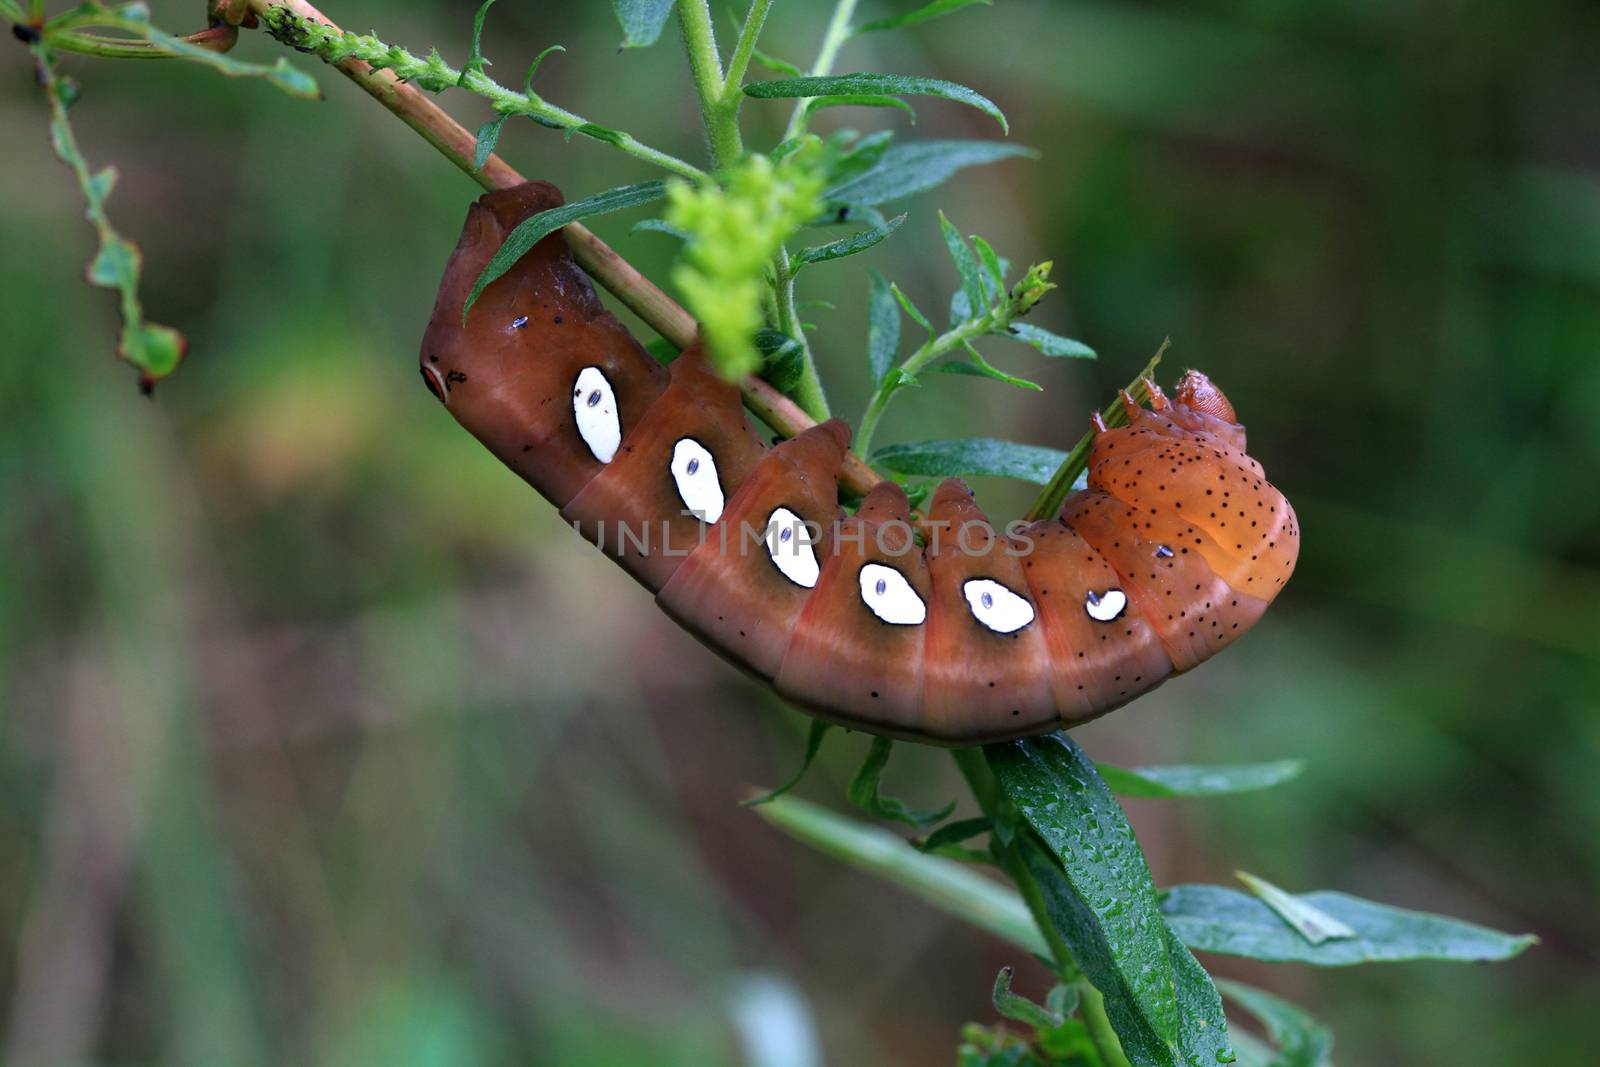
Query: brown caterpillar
x=1174, y=550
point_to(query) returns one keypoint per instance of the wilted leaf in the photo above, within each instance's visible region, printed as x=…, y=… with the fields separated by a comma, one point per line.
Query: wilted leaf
x=1309, y=921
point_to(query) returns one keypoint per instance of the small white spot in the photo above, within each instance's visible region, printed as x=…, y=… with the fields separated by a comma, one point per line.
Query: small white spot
x=1103, y=607
x=997, y=607
x=695, y=471
x=789, y=545
x=891, y=598
x=595, y=408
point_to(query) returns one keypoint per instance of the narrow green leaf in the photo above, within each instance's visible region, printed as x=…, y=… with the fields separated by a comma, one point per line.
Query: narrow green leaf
x=641, y=20
x=927, y=11
x=775, y=64
x=905, y=170
x=488, y=137
x=1186, y=780
x=1309, y=921
x=1045, y=341
x=883, y=329
x=782, y=360
x=873, y=84
x=971, y=456
x=534, y=229
x=994, y=268
x=1212, y=918
x=854, y=157
x=1301, y=1041
x=953, y=833
x=533, y=68
x=849, y=246
x=989, y=370
x=816, y=104
x=475, y=61
x=966, y=264
x=1018, y=1008
x=659, y=226
x=911, y=310
x=600, y=133
x=986, y=370
x=819, y=730
x=946, y=884
x=134, y=20
x=865, y=795
x=1105, y=907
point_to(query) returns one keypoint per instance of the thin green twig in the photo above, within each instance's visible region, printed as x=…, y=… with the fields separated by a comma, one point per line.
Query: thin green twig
x=834, y=38
x=435, y=75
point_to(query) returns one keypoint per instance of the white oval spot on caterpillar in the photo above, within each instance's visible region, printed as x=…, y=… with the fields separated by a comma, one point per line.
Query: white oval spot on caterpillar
x=995, y=606
x=595, y=409
x=789, y=545
x=695, y=472
x=890, y=597
x=1103, y=607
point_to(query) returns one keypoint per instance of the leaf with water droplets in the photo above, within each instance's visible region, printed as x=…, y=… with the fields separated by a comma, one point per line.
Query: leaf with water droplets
x=1097, y=891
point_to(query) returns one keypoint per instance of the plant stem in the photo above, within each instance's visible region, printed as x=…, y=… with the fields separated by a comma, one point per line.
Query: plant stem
x=641, y=296
x=314, y=34
x=721, y=121
x=1055, y=493
x=808, y=392
x=739, y=62
x=933, y=348
x=833, y=40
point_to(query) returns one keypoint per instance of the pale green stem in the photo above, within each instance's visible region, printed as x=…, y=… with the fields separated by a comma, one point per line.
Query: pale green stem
x=932, y=349
x=705, y=65
x=833, y=40
x=433, y=74
x=743, y=50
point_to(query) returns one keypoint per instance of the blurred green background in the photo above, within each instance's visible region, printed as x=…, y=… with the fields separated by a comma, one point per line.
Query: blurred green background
x=324, y=742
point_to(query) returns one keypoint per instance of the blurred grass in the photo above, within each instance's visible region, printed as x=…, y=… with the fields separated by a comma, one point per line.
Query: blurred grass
x=325, y=742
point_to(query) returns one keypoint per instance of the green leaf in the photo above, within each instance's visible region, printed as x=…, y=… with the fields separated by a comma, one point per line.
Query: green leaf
x=659, y=226
x=775, y=64
x=134, y=20
x=533, y=68
x=849, y=246
x=783, y=359
x=475, y=61
x=946, y=884
x=873, y=84
x=1045, y=341
x=927, y=11
x=907, y=169
x=1301, y=1041
x=971, y=456
x=488, y=137
x=641, y=20
x=1211, y=918
x=981, y=368
x=1186, y=780
x=954, y=833
x=966, y=264
x=994, y=267
x=1309, y=921
x=911, y=310
x=819, y=730
x=598, y=132
x=1097, y=885
x=1019, y=1008
x=883, y=329
x=864, y=792
x=816, y=104
x=532, y=230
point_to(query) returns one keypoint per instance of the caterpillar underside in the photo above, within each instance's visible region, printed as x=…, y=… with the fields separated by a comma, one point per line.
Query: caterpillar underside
x=934, y=627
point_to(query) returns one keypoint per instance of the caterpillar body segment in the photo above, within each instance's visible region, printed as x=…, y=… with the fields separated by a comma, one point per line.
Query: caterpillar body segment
x=941, y=628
